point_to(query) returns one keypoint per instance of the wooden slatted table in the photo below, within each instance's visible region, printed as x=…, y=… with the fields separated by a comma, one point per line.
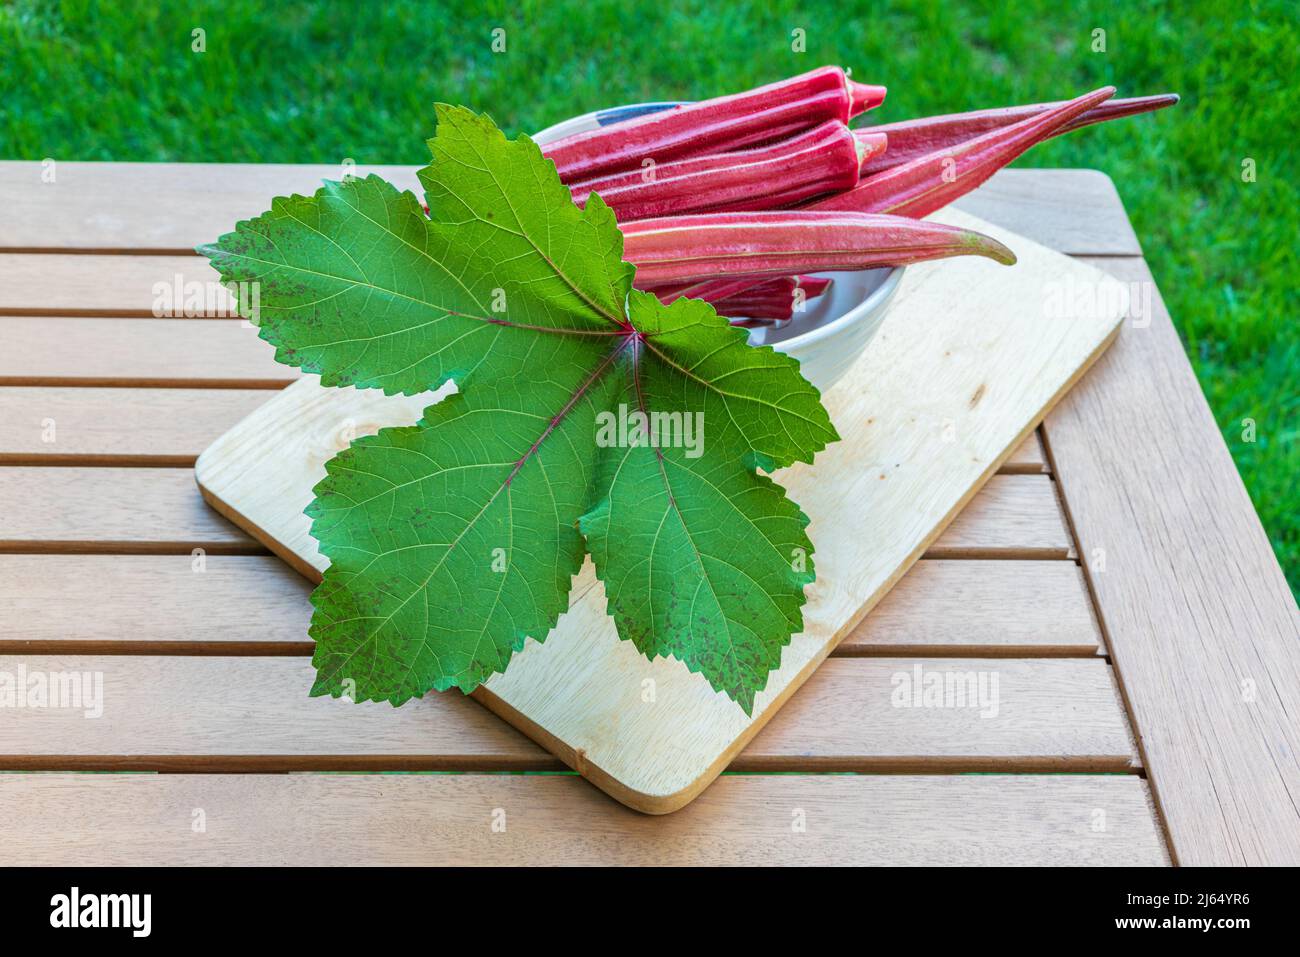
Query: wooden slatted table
x=1113, y=576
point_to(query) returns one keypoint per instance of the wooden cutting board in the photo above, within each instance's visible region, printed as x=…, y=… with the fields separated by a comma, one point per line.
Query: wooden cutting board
x=967, y=362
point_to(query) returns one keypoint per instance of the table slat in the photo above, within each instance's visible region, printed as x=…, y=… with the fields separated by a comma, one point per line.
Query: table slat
x=1027, y=458
x=173, y=207
x=1074, y=211
x=152, y=604
x=359, y=819
x=1201, y=624
x=70, y=284
x=1013, y=516
x=160, y=510
x=252, y=604
x=160, y=427
x=50, y=351
x=254, y=713
x=1013, y=608
x=111, y=510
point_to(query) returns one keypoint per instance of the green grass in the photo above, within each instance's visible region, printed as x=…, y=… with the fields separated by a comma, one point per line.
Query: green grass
x=319, y=82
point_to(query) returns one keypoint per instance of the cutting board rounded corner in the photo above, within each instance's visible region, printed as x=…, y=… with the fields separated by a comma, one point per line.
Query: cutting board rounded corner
x=656, y=801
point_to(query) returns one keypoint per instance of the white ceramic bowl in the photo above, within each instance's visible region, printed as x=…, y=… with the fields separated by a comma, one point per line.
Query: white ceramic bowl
x=835, y=328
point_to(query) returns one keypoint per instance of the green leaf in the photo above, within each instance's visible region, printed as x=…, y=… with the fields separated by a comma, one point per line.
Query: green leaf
x=702, y=560
x=453, y=540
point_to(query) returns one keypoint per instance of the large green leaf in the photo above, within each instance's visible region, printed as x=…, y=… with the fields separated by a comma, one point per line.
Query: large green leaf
x=453, y=540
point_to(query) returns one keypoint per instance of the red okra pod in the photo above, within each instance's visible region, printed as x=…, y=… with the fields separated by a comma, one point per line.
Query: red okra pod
x=710, y=290
x=773, y=299
x=788, y=197
x=910, y=139
x=929, y=182
x=714, y=126
x=816, y=285
x=821, y=160
x=695, y=248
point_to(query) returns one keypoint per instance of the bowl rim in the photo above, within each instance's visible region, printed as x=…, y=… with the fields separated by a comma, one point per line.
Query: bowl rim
x=858, y=313
x=863, y=310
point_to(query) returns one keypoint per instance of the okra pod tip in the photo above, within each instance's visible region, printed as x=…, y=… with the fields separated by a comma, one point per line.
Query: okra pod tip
x=982, y=245
x=870, y=145
x=864, y=96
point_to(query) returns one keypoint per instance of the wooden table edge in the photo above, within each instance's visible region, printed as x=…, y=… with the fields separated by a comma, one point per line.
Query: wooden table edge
x=1167, y=735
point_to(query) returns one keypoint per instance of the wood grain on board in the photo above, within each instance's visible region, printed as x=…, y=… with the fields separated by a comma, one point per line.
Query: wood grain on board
x=358, y=819
x=994, y=357
x=189, y=713
x=173, y=207
x=1204, y=631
